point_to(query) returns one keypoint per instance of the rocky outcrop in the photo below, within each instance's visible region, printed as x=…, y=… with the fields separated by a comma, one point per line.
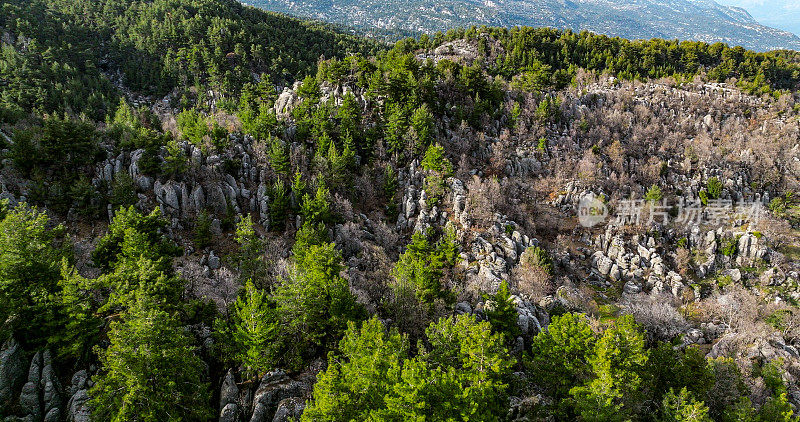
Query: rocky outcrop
x=275, y=387
x=286, y=101
x=78, y=409
x=277, y=396
x=749, y=250
x=531, y=319
x=636, y=264
x=228, y=399
x=289, y=410
x=40, y=398
x=12, y=372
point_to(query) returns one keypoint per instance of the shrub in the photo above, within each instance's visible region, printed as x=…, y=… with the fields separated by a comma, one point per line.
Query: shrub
x=729, y=246
x=193, y=126
x=653, y=194
x=87, y=200
x=123, y=191
x=542, y=145
x=501, y=311
x=536, y=256
x=703, y=198
x=175, y=163
x=714, y=188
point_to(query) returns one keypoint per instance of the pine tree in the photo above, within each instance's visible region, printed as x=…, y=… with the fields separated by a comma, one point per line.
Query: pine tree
x=193, y=126
x=253, y=330
x=79, y=306
x=150, y=371
x=175, y=163
x=314, y=305
x=617, y=365
x=396, y=126
x=317, y=209
x=682, y=407
x=560, y=354
x=421, y=267
x=308, y=235
x=136, y=258
x=459, y=378
x=653, y=194
x=502, y=312
x=30, y=269
x=279, y=207
x=349, y=115
x=279, y=157
x=298, y=191
x=360, y=376
x=422, y=122
x=249, y=258
x=438, y=169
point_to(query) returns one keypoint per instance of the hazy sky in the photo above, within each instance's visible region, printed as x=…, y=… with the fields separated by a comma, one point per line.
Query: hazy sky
x=783, y=14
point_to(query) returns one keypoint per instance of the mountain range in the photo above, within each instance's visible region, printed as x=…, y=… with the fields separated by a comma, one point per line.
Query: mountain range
x=698, y=20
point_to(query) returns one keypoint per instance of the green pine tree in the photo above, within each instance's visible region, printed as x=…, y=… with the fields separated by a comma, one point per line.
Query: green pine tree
x=149, y=372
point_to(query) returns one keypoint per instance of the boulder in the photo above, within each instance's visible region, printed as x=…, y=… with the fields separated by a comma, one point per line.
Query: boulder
x=463, y=308
x=289, y=410
x=12, y=372
x=29, y=399
x=78, y=409
x=78, y=382
x=229, y=413
x=213, y=261
x=604, y=264
x=285, y=103
x=276, y=386
x=229, y=392
x=694, y=336
x=51, y=388
x=772, y=277
x=631, y=288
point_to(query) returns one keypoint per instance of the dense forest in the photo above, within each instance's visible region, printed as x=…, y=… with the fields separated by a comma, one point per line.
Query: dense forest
x=71, y=53
x=211, y=211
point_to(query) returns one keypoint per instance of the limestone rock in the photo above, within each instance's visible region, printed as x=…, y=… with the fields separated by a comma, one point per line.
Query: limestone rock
x=229, y=392
x=78, y=407
x=631, y=288
x=276, y=386
x=29, y=398
x=12, y=372
x=289, y=410
x=213, y=261
x=229, y=413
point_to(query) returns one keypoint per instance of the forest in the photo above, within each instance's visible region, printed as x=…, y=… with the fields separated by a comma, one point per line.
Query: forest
x=214, y=212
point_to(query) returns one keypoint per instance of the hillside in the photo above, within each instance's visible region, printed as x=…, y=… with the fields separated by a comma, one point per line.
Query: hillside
x=694, y=20
x=201, y=219
x=68, y=55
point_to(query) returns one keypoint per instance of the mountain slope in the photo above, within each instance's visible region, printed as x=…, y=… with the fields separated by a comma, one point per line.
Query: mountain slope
x=699, y=20
x=203, y=257
x=59, y=55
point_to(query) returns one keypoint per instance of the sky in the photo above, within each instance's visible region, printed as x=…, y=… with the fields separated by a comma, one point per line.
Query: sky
x=783, y=14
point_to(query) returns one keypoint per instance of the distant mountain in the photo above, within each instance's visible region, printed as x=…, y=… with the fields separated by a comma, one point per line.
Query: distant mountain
x=700, y=20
